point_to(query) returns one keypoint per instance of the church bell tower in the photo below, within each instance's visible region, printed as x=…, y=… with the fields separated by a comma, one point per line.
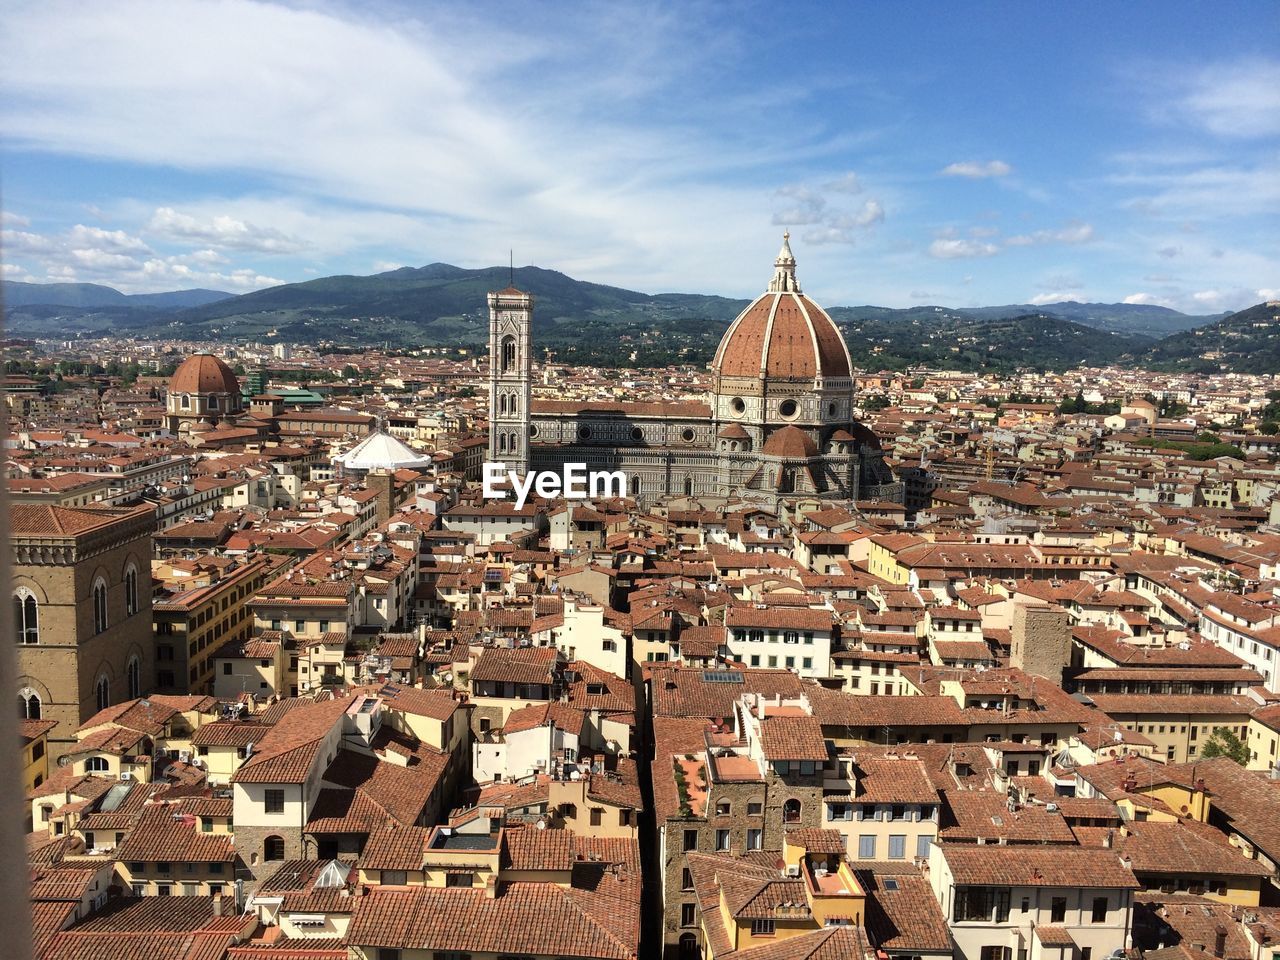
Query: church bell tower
x=510, y=367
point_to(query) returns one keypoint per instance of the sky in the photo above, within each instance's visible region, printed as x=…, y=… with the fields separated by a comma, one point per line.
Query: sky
x=919, y=153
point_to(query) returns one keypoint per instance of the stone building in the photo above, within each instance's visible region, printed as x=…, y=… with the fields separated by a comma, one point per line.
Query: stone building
x=202, y=393
x=82, y=611
x=778, y=422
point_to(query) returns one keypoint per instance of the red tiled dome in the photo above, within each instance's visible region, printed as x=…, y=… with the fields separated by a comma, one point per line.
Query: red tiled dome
x=734, y=431
x=791, y=443
x=783, y=335
x=204, y=373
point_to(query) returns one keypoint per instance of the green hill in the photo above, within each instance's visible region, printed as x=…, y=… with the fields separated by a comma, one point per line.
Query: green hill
x=581, y=322
x=1244, y=342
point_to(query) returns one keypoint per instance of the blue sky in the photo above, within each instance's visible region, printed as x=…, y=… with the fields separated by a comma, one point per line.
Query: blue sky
x=948, y=153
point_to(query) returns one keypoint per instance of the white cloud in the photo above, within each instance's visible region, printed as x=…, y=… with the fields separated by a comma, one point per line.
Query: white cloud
x=1071, y=233
x=954, y=248
x=1058, y=296
x=1269, y=293
x=222, y=231
x=976, y=170
x=849, y=183
x=870, y=213
x=1148, y=298
x=820, y=236
x=24, y=242
x=111, y=241
x=1238, y=100
x=11, y=271
x=10, y=219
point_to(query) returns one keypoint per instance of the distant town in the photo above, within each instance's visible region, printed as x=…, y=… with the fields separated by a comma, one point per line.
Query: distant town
x=885, y=665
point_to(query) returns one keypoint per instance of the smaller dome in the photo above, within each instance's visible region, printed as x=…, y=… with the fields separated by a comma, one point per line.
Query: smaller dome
x=204, y=373
x=842, y=436
x=734, y=431
x=381, y=451
x=790, y=443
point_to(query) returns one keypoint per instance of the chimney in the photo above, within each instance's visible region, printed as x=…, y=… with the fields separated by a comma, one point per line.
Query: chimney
x=1109, y=840
x=1219, y=941
x=217, y=905
x=491, y=887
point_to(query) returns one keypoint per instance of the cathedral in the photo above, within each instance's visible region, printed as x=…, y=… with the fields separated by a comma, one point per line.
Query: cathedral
x=778, y=421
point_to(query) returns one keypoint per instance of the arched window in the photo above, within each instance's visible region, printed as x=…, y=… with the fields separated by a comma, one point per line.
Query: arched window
x=96, y=765
x=791, y=811
x=508, y=354
x=635, y=485
x=273, y=848
x=502, y=443
x=133, y=675
x=502, y=403
x=130, y=590
x=186, y=401
x=99, y=605
x=28, y=705
x=213, y=401
x=689, y=946
x=688, y=486
x=26, y=617
x=104, y=693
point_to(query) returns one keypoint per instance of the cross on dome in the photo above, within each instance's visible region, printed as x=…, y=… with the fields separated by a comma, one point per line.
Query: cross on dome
x=784, y=269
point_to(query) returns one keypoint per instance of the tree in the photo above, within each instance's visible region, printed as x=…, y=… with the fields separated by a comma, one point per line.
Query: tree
x=1224, y=742
x=1270, y=428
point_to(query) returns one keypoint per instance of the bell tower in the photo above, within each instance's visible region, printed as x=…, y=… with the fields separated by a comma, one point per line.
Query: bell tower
x=510, y=367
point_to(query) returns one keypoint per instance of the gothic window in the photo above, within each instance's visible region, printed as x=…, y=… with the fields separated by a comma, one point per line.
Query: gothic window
x=502, y=443
x=513, y=443
x=99, y=605
x=104, y=693
x=26, y=617
x=502, y=403
x=131, y=590
x=28, y=705
x=134, y=675
x=508, y=354
x=513, y=405
x=635, y=486
x=688, y=486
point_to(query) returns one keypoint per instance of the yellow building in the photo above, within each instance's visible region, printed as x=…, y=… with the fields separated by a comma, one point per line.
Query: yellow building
x=743, y=905
x=201, y=607
x=35, y=752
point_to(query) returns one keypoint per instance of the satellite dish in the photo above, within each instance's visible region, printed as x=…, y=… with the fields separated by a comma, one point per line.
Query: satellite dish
x=64, y=761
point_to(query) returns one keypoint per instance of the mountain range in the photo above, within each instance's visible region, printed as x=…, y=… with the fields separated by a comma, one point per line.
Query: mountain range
x=578, y=321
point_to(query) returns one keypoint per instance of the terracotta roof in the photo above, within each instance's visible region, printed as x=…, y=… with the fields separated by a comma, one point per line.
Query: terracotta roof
x=790, y=442
x=792, y=738
x=204, y=373
x=783, y=336
x=1037, y=866
x=524, y=918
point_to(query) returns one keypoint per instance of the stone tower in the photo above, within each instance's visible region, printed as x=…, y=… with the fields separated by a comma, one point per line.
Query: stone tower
x=510, y=366
x=1041, y=640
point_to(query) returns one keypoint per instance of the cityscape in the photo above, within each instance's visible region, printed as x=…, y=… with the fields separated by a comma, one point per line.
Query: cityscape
x=842, y=555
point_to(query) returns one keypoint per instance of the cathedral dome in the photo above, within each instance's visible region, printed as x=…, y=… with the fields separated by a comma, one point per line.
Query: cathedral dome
x=790, y=443
x=204, y=373
x=783, y=335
